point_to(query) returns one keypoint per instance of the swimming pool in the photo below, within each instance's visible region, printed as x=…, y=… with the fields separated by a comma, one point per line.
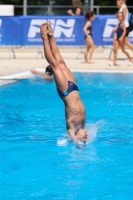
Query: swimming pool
x=37, y=162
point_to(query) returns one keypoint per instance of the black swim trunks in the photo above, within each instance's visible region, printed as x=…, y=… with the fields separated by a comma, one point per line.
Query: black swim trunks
x=71, y=87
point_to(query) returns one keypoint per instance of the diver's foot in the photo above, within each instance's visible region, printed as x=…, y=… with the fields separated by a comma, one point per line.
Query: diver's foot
x=91, y=62
x=50, y=31
x=43, y=30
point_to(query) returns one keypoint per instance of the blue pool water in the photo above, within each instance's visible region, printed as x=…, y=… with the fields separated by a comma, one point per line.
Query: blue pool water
x=37, y=162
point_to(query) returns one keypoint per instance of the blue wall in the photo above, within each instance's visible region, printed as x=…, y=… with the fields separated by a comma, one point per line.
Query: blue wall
x=67, y=30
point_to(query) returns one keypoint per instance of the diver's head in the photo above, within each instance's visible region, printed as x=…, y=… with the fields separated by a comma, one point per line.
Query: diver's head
x=81, y=135
x=49, y=70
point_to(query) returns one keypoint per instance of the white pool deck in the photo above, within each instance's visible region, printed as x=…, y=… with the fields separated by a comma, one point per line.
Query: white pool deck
x=19, y=68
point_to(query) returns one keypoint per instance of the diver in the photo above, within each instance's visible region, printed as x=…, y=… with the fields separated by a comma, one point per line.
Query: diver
x=66, y=87
x=48, y=74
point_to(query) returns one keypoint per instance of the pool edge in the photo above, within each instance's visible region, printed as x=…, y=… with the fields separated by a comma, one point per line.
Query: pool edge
x=11, y=78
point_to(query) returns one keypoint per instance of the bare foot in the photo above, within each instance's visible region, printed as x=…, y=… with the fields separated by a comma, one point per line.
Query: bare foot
x=91, y=62
x=50, y=31
x=43, y=30
x=112, y=64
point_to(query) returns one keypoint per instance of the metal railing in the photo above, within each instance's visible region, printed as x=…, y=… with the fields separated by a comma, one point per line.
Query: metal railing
x=61, y=10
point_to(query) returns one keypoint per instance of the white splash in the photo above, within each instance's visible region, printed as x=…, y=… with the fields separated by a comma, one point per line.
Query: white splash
x=93, y=128
x=62, y=142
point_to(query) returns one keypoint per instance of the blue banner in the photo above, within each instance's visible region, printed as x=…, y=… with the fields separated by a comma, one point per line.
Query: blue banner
x=67, y=30
x=11, y=31
x=25, y=30
x=103, y=27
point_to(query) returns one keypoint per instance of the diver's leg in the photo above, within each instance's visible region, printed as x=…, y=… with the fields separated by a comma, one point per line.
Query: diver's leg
x=60, y=79
x=57, y=55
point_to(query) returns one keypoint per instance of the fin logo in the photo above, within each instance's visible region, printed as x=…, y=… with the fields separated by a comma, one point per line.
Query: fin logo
x=0, y=27
x=65, y=28
x=110, y=24
x=107, y=34
x=59, y=28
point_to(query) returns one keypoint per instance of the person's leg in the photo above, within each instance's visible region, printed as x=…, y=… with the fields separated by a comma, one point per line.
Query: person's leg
x=60, y=79
x=114, y=39
x=86, y=54
x=122, y=44
x=92, y=48
x=116, y=46
x=127, y=43
x=87, y=51
x=57, y=55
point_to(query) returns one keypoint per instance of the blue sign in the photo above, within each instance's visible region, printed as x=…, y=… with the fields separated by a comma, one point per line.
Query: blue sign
x=67, y=30
x=11, y=31
x=25, y=30
x=103, y=30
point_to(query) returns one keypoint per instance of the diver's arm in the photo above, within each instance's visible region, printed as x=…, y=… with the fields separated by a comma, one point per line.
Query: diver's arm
x=37, y=72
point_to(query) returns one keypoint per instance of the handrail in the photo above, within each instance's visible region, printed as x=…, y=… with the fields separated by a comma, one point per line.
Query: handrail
x=66, y=6
x=97, y=7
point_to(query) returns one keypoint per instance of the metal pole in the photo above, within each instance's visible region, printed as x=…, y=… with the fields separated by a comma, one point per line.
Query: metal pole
x=91, y=5
x=50, y=11
x=98, y=10
x=24, y=7
x=86, y=6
